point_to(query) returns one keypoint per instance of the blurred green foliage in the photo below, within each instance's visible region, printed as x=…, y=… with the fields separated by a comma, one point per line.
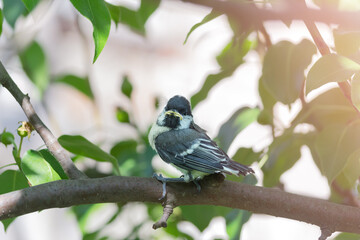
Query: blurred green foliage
x=285, y=86
x=99, y=16
x=34, y=62
x=135, y=19
x=1, y=20
x=288, y=74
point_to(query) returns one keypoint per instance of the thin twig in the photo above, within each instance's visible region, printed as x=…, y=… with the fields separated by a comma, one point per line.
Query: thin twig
x=324, y=50
x=325, y=233
x=8, y=165
x=168, y=210
x=169, y=204
x=49, y=139
x=266, y=36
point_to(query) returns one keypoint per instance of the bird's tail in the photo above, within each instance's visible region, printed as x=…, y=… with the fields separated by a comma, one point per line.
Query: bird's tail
x=239, y=169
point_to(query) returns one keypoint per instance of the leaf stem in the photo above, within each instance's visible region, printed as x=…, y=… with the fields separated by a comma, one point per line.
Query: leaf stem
x=8, y=165
x=20, y=145
x=116, y=167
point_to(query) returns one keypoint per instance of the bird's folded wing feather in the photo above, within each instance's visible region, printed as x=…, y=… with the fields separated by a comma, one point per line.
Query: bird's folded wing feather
x=191, y=150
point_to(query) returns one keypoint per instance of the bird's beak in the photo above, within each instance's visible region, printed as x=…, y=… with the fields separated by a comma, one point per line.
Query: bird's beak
x=173, y=113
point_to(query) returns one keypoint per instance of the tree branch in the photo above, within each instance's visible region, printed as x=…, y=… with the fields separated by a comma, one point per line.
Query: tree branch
x=324, y=50
x=289, y=11
x=49, y=139
x=269, y=201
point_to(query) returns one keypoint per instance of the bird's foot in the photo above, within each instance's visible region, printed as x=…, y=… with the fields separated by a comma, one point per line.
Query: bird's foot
x=163, y=180
x=196, y=182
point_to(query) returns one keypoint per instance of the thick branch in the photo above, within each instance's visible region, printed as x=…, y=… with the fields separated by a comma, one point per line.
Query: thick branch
x=249, y=13
x=274, y=202
x=49, y=139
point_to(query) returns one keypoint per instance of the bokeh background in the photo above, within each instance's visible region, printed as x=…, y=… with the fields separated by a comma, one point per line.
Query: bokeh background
x=158, y=66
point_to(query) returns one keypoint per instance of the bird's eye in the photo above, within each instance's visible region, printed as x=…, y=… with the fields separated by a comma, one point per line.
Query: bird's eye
x=182, y=111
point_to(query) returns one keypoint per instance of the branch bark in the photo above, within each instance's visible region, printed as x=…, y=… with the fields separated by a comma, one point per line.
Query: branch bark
x=273, y=202
x=49, y=139
x=291, y=10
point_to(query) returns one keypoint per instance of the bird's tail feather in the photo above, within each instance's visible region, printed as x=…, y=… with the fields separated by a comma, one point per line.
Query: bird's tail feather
x=240, y=168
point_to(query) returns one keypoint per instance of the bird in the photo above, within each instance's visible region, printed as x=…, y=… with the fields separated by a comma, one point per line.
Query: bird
x=179, y=141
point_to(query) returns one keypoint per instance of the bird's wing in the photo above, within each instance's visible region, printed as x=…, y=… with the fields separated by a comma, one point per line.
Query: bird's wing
x=191, y=150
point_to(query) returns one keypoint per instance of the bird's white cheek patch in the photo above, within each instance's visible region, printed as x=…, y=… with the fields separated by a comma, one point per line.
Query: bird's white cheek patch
x=155, y=131
x=191, y=149
x=185, y=122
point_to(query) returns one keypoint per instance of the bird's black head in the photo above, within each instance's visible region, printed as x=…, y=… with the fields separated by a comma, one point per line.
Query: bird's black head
x=180, y=104
x=177, y=113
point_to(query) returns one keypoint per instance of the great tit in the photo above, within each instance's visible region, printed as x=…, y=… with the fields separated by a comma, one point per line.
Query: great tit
x=182, y=143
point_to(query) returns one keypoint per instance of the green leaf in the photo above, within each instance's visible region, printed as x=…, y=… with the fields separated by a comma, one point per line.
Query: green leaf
x=334, y=146
x=81, y=146
x=229, y=59
x=209, y=83
x=351, y=172
x=35, y=65
x=98, y=14
x=122, y=116
x=1, y=20
x=330, y=68
x=37, y=169
x=235, y=220
x=124, y=150
x=283, y=69
x=133, y=157
x=212, y=15
x=268, y=101
x=246, y=156
x=129, y=18
x=84, y=213
x=233, y=53
x=30, y=4
x=207, y=213
x=91, y=236
x=347, y=43
x=201, y=215
x=328, y=108
x=126, y=87
x=147, y=8
x=7, y=138
x=127, y=156
x=355, y=90
x=236, y=123
x=13, y=9
x=114, y=12
x=174, y=231
x=347, y=236
x=283, y=153
x=79, y=83
x=53, y=163
x=11, y=180
x=136, y=20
